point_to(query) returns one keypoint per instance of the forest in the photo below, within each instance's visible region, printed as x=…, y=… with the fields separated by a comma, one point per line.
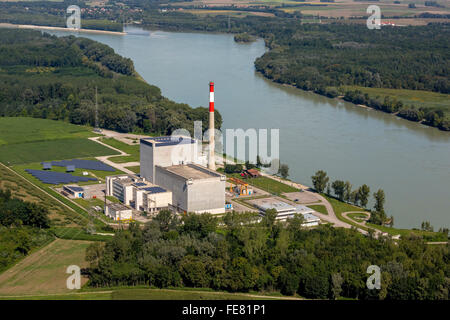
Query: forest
x=23, y=227
x=45, y=13
x=44, y=76
x=239, y=254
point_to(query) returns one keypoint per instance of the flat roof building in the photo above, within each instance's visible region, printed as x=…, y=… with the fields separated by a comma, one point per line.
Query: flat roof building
x=176, y=164
x=194, y=188
x=138, y=193
x=167, y=151
x=118, y=212
x=285, y=210
x=74, y=191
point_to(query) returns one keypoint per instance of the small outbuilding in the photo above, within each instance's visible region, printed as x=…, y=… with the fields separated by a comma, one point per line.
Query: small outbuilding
x=119, y=212
x=74, y=191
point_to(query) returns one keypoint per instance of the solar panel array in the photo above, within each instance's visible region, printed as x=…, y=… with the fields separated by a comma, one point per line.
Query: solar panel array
x=46, y=165
x=52, y=177
x=84, y=164
x=155, y=189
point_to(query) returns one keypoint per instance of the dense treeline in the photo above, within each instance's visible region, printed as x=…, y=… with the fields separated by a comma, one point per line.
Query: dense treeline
x=244, y=255
x=22, y=227
x=49, y=77
x=44, y=13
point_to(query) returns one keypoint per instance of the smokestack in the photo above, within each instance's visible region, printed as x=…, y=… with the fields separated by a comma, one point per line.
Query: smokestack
x=211, y=160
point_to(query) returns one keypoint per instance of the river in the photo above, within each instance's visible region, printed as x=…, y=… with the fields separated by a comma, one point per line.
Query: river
x=411, y=162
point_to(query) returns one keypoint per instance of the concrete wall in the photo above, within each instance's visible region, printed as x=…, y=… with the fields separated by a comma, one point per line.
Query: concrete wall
x=174, y=183
x=146, y=158
x=165, y=156
x=203, y=195
x=207, y=195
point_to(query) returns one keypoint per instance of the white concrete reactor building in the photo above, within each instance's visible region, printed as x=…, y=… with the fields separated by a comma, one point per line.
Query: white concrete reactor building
x=175, y=165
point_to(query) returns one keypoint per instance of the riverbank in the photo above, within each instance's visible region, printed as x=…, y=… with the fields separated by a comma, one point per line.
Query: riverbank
x=91, y=31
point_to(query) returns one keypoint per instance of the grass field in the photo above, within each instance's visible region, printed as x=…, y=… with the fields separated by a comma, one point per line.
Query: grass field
x=44, y=271
x=20, y=130
x=132, y=150
x=98, y=174
x=26, y=140
x=52, y=150
x=340, y=207
x=144, y=294
x=319, y=208
x=24, y=190
x=135, y=169
x=418, y=98
x=267, y=184
x=78, y=234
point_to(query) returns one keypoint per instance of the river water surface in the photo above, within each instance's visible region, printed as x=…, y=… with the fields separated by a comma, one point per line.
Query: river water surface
x=409, y=161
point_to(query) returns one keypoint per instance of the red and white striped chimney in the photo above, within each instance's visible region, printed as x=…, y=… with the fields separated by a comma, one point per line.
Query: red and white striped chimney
x=211, y=161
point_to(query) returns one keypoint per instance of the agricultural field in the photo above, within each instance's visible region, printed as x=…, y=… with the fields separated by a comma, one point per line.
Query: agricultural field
x=146, y=294
x=44, y=271
x=27, y=140
x=21, y=129
x=336, y=9
x=417, y=98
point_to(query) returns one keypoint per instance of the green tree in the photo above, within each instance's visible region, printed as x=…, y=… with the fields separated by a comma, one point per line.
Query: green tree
x=339, y=189
x=363, y=195
x=379, y=200
x=347, y=191
x=284, y=170
x=320, y=180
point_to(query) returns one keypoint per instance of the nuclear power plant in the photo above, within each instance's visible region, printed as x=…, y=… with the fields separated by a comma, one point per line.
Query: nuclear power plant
x=178, y=167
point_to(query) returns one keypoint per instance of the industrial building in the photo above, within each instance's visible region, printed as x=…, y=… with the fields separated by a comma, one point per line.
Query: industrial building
x=175, y=163
x=74, y=191
x=194, y=188
x=118, y=212
x=138, y=193
x=286, y=211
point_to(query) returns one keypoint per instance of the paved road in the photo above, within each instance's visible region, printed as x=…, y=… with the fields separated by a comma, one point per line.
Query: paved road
x=105, y=159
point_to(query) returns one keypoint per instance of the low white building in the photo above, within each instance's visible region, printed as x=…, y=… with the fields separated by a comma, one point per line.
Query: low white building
x=138, y=193
x=118, y=212
x=286, y=211
x=150, y=198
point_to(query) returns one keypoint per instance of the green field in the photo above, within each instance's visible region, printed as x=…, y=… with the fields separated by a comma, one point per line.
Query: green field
x=267, y=184
x=135, y=169
x=339, y=207
x=22, y=189
x=142, y=294
x=44, y=271
x=26, y=140
x=52, y=150
x=21, y=129
x=319, y=208
x=98, y=174
x=132, y=150
x=417, y=98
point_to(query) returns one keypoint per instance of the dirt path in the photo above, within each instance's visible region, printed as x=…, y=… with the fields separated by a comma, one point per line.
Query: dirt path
x=105, y=159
